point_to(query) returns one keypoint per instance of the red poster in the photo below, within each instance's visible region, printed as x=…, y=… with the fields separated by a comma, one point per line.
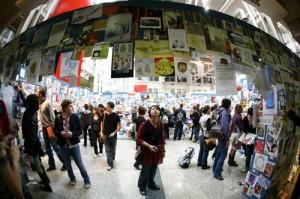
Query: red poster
x=259, y=146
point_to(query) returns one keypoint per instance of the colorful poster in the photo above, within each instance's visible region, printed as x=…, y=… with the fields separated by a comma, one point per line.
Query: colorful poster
x=57, y=33
x=270, y=103
x=152, y=48
x=251, y=178
x=164, y=66
x=260, y=146
x=86, y=14
x=68, y=67
x=225, y=80
x=119, y=28
x=144, y=67
x=269, y=168
x=48, y=61
x=122, y=63
x=259, y=162
x=100, y=50
x=86, y=79
x=263, y=181
x=260, y=131
x=32, y=69
x=257, y=190
x=271, y=146
x=177, y=40
x=182, y=67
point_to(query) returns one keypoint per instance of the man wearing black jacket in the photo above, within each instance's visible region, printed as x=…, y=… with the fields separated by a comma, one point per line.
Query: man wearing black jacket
x=32, y=144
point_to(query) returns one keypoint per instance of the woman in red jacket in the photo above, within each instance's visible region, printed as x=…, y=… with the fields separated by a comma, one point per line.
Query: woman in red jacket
x=152, y=139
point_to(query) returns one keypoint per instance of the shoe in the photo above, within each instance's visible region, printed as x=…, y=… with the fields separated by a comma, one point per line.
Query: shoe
x=233, y=164
x=101, y=155
x=46, y=188
x=143, y=192
x=244, y=171
x=154, y=187
x=198, y=165
x=51, y=169
x=96, y=155
x=63, y=168
x=109, y=168
x=205, y=167
x=72, y=182
x=219, y=178
x=84, y=145
x=87, y=185
x=137, y=167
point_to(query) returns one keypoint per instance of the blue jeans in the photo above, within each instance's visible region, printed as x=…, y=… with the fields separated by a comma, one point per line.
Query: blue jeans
x=203, y=152
x=178, y=130
x=195, y=132
x=222, y=151
x=110, y=149
x=76, y=155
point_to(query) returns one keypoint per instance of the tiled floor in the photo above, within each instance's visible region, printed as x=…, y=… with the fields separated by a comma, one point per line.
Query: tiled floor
x=121, y=182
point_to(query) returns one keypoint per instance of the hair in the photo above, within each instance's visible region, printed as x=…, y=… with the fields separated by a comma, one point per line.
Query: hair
x=195, y=108
x=42, y=91
x=181, y=105
x=86, y=106
x=100, y=106
x=205, y=109
x=141, y=110
x=111, y=105
x=214, y=107
x=237, y=107
x=226, y=103
x=97, y=111
x=32, y=102
x=250, y=111
x=64, y=104
x=149, y=111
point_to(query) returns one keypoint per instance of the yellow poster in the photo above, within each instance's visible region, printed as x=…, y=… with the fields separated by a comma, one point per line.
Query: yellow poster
x=100, y=24
x=197, y=42
x=152, y=48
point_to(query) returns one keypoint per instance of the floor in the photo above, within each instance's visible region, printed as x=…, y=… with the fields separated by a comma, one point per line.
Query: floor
x=121, y=182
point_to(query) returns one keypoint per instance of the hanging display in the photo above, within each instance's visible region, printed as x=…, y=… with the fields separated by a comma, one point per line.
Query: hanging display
x=182, y=67
x=150, y=22
x=164, y=66
x=32, y=69
x=119, y=28
x=57, y=33
x=225, y=80
x=48, y=61
x=144, y=67
x=86, y=14
x=100, y=50
x=177, y=40
x=68, y=67
x=122, y=62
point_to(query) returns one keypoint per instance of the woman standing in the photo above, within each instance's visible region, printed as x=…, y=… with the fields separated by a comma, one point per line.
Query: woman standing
x=151, y=138
x=96, y=121
x=248, y=128
x=236, y=128
x=68, y=129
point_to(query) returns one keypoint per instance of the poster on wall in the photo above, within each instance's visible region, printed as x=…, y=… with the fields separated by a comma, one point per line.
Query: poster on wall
x=100, y=24
x=88, y=51
x=122, y=62
x=57, y=33
x=181, y=67
x=177, y=40
x=270, y=103
x=119, y=28
x=150, y=22
x=216, y=39
x=68, y=67
x=100, y=50
x=195, y=37
x=259, y=162
x=48, y=61
x=32, y=69
x=144, y=67
x=86, y=14
x=164, y=66
x=173, y=19
x=86, y=79
x=225, y=80
x=41, y=34
x=152, y=48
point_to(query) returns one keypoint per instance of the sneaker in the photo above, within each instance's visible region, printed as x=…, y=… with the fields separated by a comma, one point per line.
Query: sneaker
x=219, y=178
x=205, y=167
x=87, y=185
x=96, y=155
x=154, y=187
x=46, y=188
x=72, y=182
x=63, y=168
x=143, y=192
x=101, y=155
x=109, y=168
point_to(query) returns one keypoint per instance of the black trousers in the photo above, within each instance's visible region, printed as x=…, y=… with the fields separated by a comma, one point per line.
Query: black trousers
x=40, y=169
x=178, y=130
x=85, y=133
x=96, y=142
x=167, y=131
x=51, y=161
x=147, y=176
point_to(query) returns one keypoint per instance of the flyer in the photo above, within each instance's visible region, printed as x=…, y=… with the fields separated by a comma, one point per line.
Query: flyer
x=57, y=33
x=182, y=67
x=48, y=61
x=144, y=67
x=178, y=40
x=225, y=80
x=68, y=67
x=118, y=28
x=32, y=68
x=164, y=66
x=101, y=50
x=122, y=63
x=260, y=131
x=260, y=146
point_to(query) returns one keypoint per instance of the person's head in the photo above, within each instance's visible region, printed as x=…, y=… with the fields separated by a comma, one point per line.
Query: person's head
x=238, y=109
x=86, y=107
x=66, y=106
x=226, y=103
x=206, y=109
x=214, y=107
x=32, y=102
x=154, y=111
x=101, y=108
x=195, y=108
x=141, y=110
x=181, y=106
x=250, y=111
x=41, y=92
x=110, y=106
x=96, y=111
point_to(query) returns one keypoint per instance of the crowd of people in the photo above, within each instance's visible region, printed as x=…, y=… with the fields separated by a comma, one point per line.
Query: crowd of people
x=62, y=130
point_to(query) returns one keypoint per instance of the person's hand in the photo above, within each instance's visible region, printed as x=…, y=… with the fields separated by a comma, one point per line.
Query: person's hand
x=8, y=141
x=14, y=153
x=112, y=135
x=153, y=148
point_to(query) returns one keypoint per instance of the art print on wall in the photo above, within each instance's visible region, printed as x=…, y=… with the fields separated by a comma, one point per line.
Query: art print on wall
x=164, y=66
x=100, y=50
x=177, y=40
x=122, y=62
x=270, y=103
x=144, y=67
x=86, y=14
x=32, y=69
x=48, y=61
x=57, y=33
x=68, y=67
x=118, y=28
x=150, y=22
x=182, y=67
x=260, y=131
x=259, y=162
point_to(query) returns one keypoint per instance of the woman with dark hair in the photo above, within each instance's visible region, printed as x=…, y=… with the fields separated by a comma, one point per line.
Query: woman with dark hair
x=32, y=144
x=248, y=128
x=152, y=139
x=236, y=128
x=139, y=120
x=222, y=147
x=68, y=129
x=96, y=128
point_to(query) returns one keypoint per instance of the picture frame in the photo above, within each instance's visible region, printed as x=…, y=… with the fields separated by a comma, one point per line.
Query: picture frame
x=150, y=22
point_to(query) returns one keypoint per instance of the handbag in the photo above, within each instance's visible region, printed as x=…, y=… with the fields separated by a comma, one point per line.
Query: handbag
x=50, y=132
x=139, y=154
x=211, y=143
x=216, y=130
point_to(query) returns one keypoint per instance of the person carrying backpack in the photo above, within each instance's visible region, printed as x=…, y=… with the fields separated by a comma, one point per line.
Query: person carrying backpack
x=86, y=121
x=180, y=117
x=195, y=116
x=165, y=121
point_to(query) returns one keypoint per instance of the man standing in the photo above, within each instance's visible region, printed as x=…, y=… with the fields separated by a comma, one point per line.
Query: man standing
x=195, y=116
x=109, y=128
x=180, y=117
x=86, y=121
x=47, y=117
